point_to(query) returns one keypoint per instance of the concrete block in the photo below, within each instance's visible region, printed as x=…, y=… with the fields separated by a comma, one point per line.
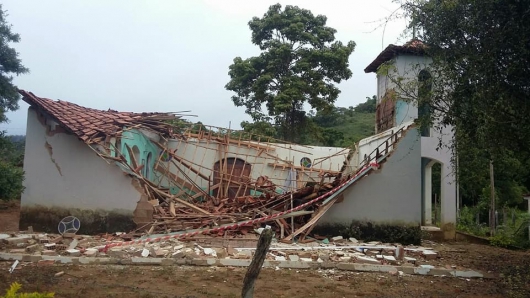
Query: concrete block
x=31, y=258
x=32, y=248
x=178, y=247
x=86, y=261
x=146, y=261
x=48, y=252
x=167, y=262
x=181, y=261
x=400, y=252
x=366, y=260
x=390, y=259
x=178, y=254
x=345, y=259
x=49, y=246
x=294, y=258
x=234, y=262
x=294, y=265
x=220, y=252
x=159, y=253
x=328, y=265
x=16, y=240
x=469, y=274
x=60, y=259
x=410, y=260
x=305, y=254
x=116, y=253
x=91, y=252
x=73, y=252
x=429, y=254
x=199, y=262
x=337, y=238
x=375, y=268
x=422, y=270
x=18, y=251
x=73, y=244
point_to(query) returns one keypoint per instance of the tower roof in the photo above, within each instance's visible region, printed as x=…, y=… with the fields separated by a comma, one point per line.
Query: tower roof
x=414, y=47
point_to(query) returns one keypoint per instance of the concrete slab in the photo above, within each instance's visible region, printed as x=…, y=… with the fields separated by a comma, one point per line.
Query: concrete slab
x=422, y=270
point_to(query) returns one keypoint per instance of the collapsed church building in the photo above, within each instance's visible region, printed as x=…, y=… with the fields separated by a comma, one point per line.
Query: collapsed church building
x=153, y=173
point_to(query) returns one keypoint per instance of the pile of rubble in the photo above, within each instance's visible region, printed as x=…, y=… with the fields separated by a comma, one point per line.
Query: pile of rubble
x=336, y=249
x=172, y=214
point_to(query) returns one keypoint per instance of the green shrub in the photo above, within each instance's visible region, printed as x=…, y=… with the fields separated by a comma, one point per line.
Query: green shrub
x=467, y=222
x=367, y=231
x=12, y=292
x=11, y=178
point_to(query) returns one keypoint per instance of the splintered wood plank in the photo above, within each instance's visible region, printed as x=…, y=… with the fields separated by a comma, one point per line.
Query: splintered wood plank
x=172, y=209
x=196, y=208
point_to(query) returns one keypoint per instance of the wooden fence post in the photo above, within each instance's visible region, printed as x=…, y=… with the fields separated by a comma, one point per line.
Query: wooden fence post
x=254, y=268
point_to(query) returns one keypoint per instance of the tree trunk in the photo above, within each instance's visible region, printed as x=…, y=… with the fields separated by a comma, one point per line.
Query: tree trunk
x=253, y=270
x=492, y=198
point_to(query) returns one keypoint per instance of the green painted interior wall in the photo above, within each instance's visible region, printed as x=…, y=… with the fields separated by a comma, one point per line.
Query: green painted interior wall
x=133, y=138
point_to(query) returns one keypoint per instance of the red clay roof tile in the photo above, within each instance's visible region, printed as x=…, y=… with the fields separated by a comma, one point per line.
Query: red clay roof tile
x=88, y=123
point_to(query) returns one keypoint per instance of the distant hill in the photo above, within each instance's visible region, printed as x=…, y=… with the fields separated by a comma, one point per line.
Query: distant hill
x=345, y=126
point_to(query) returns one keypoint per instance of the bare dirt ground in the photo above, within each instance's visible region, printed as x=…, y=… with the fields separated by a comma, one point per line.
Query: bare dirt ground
x=182, y=281
x=9, y=212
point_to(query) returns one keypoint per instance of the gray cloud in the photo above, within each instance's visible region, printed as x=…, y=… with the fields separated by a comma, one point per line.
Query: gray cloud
x=167, y=55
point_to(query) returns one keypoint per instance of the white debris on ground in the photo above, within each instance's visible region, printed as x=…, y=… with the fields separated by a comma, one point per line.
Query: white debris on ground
x=335, y=250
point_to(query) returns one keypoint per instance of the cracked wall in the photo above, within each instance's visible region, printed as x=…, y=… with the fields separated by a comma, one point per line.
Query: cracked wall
x=63, y=172
x=50, y=152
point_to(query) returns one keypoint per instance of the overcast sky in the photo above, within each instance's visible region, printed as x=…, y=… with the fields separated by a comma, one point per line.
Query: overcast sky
x=168, y=56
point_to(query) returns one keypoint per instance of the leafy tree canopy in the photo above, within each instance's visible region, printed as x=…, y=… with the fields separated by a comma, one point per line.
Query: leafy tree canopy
x=481, y=71
x=300, y=63
x=9, y=64
x=11, y=153
x=336, y=127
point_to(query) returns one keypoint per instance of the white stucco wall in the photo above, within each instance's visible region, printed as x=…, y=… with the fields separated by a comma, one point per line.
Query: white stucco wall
x=62, y=171
x=367, y=145
x=203, y=154
x=448, y=192
x=392, y=194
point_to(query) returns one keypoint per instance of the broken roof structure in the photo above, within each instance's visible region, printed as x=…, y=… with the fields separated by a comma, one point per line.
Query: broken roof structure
x=93, y=126
x=197, y=179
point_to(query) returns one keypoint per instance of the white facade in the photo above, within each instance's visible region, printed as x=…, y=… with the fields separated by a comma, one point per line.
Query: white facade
x=273, y=163
x=62, y=171
x=402, y=189
x=392, y=194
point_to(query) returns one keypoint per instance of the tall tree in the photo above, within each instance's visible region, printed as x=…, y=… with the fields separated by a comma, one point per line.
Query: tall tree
x=481, y=70
x=11, y=176
x=480, y=85
x=9, y=64
x=300, y=63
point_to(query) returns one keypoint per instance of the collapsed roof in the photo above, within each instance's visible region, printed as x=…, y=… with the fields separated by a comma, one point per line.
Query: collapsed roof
x=92, y=125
